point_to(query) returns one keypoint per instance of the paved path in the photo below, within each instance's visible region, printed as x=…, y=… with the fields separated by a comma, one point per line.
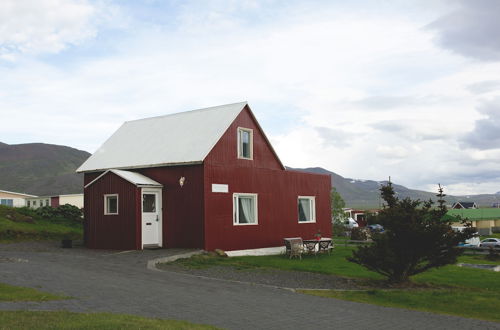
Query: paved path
x=103, y=281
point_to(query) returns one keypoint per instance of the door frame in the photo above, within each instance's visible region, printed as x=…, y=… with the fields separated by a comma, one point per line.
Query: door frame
x=159, y=192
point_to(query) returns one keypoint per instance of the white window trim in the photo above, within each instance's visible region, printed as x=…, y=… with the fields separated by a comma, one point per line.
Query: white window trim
x=236, y=210
x=313, y=208
x=106, y=204
x=239, y=142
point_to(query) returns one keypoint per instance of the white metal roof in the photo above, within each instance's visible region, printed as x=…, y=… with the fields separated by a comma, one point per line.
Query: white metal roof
x=180, y=138
x=16, y=193
x=132, y=177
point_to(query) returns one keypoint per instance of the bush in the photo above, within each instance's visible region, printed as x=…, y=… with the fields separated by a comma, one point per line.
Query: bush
x=416, y=238
x=359, y=234
x=62, y=213
x=339, y=229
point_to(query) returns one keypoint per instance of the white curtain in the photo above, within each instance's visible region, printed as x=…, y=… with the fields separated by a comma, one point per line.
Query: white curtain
x=246, y=210
x=304, y=210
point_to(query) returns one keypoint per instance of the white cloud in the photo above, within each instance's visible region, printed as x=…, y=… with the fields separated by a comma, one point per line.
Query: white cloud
x=365, y=94
x=46, y=26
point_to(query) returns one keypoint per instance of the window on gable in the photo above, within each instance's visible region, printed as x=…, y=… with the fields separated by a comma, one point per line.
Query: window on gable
x=111, y=204
x=307, y=209
x=245, y=209
x=245, y=143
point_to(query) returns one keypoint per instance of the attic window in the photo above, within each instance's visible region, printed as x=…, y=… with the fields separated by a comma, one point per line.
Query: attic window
x=245, y=143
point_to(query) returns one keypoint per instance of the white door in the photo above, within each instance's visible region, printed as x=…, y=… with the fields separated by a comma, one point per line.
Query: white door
x=151, y=217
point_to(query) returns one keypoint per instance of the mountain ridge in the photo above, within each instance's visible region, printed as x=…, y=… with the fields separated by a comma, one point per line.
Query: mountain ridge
x=365, y=193
x=41, y=168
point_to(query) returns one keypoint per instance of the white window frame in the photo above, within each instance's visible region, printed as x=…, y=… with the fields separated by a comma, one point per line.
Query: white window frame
x=236, y=209
x=106, y=204
x=240, y=149
x=312, y=215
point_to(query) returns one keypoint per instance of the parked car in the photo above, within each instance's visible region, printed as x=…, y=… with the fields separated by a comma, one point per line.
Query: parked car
x=494, y=242
x=351, y=223
x=376, y=228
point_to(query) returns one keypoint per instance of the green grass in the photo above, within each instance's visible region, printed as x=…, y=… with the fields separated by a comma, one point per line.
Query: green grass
x=23, y=224
x=494, y=235
x=18, y=293
x=68, y=320
x=451, y=289
x=466, y=303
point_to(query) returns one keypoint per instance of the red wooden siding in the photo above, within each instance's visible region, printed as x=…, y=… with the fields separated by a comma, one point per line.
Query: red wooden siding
x=225, y=151
x=54, y=201
x=278, y=193
x=111, y=231
x=277, y=190
x=182, y=206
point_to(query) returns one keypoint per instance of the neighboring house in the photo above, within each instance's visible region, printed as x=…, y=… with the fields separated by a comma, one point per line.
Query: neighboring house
x=205, y=179
x=14, y=199
x=357, y=215
x=485, y=220
x=55, y=201
x=464, y=205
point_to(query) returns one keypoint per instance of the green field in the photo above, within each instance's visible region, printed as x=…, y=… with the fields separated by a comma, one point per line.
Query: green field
x=18, y=224
x=451, y=289
x=68, y=320
x=18, y=293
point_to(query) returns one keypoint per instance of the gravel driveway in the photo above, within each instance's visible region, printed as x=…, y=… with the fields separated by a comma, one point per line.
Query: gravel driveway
x=119, y=282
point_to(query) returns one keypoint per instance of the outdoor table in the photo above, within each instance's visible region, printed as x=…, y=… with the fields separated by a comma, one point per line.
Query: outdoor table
x=310, y=244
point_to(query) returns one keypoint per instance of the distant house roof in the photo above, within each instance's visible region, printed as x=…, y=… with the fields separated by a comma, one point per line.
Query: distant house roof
x=465, y=205
x=132, y=177
x=16, y=193
x=175, y=139
x=473, y=214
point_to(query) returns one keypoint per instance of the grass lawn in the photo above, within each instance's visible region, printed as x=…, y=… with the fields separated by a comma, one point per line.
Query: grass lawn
x=451, y=289
x=18, y=293
x=466, y=303
x=68, y=320
x=23, y=224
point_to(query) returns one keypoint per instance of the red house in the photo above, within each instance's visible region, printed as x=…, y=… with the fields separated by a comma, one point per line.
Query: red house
x=205, y=179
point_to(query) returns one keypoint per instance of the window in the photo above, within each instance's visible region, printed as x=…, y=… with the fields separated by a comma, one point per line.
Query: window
x=245, y=143
x=46, y=202
x=245, y=209
x=148, y=203
x=8, y=202
x=28, y=203
x=34, y=203
x=307, y=209
x=111, y=204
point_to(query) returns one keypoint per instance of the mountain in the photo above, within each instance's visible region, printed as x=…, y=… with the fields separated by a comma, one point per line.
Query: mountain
x=365, y=194
x=41, y=169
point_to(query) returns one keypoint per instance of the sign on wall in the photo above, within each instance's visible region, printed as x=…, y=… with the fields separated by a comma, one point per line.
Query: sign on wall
x=220, y=188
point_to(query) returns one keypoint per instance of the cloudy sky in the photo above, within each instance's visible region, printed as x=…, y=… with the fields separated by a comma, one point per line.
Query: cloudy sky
x=367, y=89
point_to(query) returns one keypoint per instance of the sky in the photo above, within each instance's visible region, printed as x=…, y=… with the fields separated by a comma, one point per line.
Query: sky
x=367, y=89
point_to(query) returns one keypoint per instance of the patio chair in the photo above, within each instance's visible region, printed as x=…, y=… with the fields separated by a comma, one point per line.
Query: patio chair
x=297, y=248
x=325, y=246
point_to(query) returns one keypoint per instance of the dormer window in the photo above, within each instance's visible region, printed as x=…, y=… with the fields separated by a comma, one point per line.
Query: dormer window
x=245, y=143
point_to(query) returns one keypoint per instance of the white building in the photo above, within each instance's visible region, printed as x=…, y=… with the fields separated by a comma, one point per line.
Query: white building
x=13, y=199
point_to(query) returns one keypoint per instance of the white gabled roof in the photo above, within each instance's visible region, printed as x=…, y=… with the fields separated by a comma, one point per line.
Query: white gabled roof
x=176, y=139
x=16, y=193
x=132, y=177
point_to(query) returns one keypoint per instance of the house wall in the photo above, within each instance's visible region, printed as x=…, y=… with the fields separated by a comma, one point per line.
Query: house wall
x=277, y=190
x=17, y=200
x=182, y=206
x=37, y=202
x=74, y=199
x=119, y=231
